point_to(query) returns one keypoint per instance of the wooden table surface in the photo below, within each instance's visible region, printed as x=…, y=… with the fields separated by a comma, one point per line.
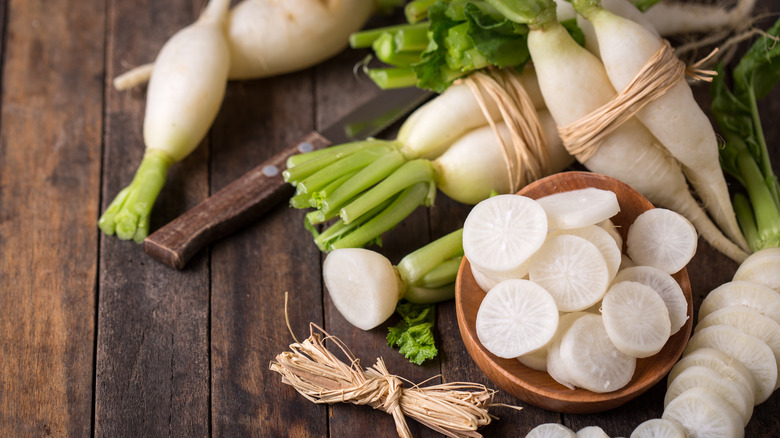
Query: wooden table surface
x=96, y=338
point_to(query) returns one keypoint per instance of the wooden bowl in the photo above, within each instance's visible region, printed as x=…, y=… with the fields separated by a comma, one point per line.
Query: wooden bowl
x=537, y=387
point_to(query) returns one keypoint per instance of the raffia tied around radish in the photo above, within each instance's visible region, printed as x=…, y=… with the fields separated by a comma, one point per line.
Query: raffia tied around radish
x=180, y=108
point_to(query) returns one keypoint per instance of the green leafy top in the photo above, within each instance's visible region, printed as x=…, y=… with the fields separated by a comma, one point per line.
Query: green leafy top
x=414, y=333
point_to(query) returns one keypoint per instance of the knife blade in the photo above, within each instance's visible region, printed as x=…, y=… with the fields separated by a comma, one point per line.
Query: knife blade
x=246, y=199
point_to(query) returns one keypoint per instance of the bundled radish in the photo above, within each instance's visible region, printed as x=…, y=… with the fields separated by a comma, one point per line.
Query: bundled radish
x=180, y=108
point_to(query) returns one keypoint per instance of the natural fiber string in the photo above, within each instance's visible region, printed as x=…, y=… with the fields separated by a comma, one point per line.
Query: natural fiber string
x=526, y=156
x=661, y=72
x=456, y=410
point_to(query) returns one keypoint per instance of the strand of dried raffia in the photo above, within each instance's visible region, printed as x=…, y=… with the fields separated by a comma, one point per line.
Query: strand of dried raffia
x=453, y=409
x=526, y=156
x=661, y=72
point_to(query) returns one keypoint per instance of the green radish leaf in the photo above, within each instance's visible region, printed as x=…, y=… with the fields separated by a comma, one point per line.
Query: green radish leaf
x=414, y=333
x=644, y=5
x=759, y=70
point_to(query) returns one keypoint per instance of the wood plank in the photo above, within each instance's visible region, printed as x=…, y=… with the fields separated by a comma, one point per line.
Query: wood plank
x=50, y=141
x=152, y=366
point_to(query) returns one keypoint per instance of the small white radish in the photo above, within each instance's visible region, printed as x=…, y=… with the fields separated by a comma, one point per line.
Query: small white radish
x=592, y=432
x=579, y=208
x=636, y=319
x=603, y=241
x=551, y=430
x=726, y=366
x=666, y=287
x=758, y=297
x=661, y=238
x=751, y=351
x=515, y=318
x=592, y=359
x=572, y=269
x=761, y=267
x=739, y=397
x=501, y=233
x=704, y=414
x=659, y=428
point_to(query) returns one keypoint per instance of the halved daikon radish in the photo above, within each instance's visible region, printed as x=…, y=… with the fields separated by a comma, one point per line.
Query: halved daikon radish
x=751, y=351
x=661, y=238
x=703, y=413
x=579, y=208
x=666, y=286
x=698, y=376
x=515, y=318
x=592, y=359
x=635, y=318
x=555, y=366
x=592, y=432
x=758, y=297
x=551, y=430
x=502, y=232
x=761, y=267
x=659, y=428
x=726, y=366
x=603, y=241
x=572, y=269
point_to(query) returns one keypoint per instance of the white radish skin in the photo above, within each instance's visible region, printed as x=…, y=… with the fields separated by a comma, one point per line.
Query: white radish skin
x=742, y=293
x=704, y=414
x=726, y=366
x=555, y=366
x=698, y=376
x=762, y=267
x=630, y=153
x=674, y=118
x=675, y=18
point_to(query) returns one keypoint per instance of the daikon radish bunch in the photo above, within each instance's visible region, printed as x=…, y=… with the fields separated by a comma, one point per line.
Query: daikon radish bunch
x=557, y=299
x=460, y=143
x=180, y=108
x=271, y=37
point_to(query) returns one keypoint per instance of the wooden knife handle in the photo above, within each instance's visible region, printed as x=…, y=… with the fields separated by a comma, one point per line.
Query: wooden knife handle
x=235, y=206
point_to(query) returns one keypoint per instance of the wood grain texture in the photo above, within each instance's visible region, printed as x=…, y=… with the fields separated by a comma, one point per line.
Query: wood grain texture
x=50, y=142
x=152, y=367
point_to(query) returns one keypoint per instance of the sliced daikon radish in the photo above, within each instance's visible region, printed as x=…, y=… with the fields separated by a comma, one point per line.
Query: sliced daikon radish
x=739, y=397
x=726, y=366
x=661, y=238
x=363, y=285
x=659, y=428
x=758, y=297
x=592, y=359
x=749, y=322
x=555, y=366
x=666, y=286
x=502, y=232
x=611, y=228
x=603, y=241
x=703, y=413
x=751, y=351
x=592, y=432
x=578, y=208
x=488, y=281
x=515, y=318
x=572, y=270
x=536, y=360
x=551, y=430
x=636, y=318
x=761, y=267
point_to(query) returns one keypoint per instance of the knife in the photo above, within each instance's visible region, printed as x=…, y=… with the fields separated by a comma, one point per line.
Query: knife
x=250, y=196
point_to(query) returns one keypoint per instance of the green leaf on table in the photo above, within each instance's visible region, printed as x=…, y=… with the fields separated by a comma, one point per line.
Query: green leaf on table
x=414, y=333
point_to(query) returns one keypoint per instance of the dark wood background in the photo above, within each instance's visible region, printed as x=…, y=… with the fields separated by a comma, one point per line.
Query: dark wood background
x=98, y=339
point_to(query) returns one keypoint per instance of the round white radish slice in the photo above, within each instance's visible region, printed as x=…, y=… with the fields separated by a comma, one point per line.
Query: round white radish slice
x=659, y=428
x=572, y=269
x=489, y=281
x=592, y=359
x=758, y=297
x=698, y=376
x=536, y=360
x=665, y=285
x=555, y=367
x=579, y=208
x=592, y=432
x=551, y=430
x=751, y=351
x=502, y=232
x=515, y=318
x=726, y=366
x=603, y=241
x=761, y=267
x=363, y=285
x=661, y=238
x=704, y=414
x=636, y=319
x=611, y=228
x=749, y=322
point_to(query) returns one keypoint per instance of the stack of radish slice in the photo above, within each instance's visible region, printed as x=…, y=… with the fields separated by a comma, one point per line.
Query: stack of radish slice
x=557, y=298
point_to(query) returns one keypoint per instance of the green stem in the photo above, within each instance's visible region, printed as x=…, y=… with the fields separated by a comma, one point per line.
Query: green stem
x=412, y=38
x=394, y=77
x=764, y=161
x=386, y=50
x=746, y=220
x=335, y=170
x=419, y=263
x=409, y=174
x=443, y=274
x=302, y=166
x=361, y=181
x=339, y=229
x=128, y=215
x=765, y=211
x=425, y=295
x=417, y=10
x=534, y=13
x=366, y=38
